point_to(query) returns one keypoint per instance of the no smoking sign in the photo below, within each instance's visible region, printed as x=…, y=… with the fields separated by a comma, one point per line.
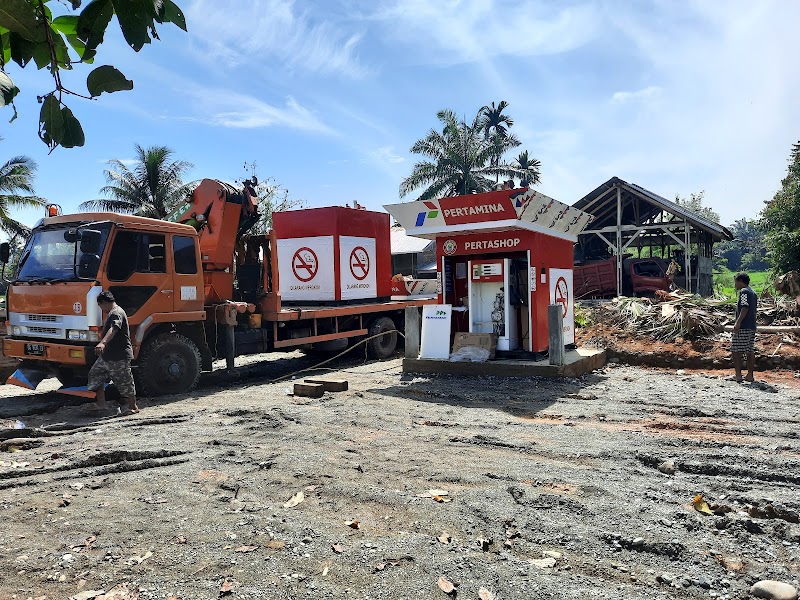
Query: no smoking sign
x=562, y=295
x=359, y=263
x=305, y=264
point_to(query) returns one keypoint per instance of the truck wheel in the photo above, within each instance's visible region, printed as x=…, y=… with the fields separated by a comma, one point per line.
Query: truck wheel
x=70, y=378
x=169, y=363
x=384, y=346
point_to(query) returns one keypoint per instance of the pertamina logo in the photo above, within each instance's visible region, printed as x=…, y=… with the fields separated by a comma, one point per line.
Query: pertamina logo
x=431, y=213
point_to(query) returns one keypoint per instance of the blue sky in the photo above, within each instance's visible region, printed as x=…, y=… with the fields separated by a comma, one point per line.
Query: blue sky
x=328, y=96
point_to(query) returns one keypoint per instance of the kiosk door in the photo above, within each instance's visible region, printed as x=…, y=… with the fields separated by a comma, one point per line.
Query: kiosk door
x=490, y=306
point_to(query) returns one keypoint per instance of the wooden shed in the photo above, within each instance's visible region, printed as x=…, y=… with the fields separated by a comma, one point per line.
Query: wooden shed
x=630, y=220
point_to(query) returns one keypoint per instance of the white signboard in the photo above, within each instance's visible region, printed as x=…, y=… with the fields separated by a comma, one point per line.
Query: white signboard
x=305, y=268
x=561, y=292
x=357, y=267
x=435, y=341
x=188, y=292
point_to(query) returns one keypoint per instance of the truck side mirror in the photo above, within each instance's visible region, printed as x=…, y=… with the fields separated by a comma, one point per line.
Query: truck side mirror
x=5, y=252
x=71, y=235
x=88, y=265
x=90, y=241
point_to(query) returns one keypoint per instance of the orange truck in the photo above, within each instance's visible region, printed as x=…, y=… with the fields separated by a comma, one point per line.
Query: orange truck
x=198, y=286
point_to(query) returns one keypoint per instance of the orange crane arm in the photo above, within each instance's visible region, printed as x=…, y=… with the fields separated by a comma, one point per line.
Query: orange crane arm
x=221, y=214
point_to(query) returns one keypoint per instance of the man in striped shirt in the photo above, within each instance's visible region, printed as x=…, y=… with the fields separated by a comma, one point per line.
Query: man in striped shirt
x=744, y=330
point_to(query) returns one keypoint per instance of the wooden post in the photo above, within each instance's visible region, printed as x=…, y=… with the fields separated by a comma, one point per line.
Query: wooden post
x=412, y=332
x=688, y=255
x=555, y=330
x=619, y=241
x=230, y=347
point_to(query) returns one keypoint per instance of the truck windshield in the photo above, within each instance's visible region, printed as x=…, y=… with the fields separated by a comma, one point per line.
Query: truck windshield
x=48, y=257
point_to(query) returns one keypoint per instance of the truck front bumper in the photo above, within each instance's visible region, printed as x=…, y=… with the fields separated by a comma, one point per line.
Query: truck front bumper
x=60, y=354
x=44, y=362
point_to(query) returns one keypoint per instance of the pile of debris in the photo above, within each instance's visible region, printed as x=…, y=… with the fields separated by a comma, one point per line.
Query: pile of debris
x=778, y=311
x=667, y=317
x=678, y=315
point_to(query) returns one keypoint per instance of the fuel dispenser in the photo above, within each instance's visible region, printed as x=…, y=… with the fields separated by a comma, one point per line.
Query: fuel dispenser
x=495, y=299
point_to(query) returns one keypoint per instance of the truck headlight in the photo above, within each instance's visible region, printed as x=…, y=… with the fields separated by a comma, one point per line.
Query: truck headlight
x=82, y=335
x=16, y=330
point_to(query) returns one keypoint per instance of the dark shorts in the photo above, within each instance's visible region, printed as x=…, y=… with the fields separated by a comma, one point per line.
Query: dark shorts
x=743, y=340
x=118, y=371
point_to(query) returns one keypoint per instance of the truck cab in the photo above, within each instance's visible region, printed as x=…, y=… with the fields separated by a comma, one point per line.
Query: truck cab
x=152, y=267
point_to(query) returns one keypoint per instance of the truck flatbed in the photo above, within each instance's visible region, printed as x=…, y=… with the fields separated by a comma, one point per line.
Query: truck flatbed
x=297, y=313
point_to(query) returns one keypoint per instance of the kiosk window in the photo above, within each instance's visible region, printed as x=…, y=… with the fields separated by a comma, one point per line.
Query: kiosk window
x=185, y=256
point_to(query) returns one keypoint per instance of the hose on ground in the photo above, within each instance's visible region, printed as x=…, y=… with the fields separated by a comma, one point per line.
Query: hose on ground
x=325, y=362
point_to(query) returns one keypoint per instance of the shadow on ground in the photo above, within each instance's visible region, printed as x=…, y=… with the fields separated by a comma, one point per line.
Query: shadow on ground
x=517, y=396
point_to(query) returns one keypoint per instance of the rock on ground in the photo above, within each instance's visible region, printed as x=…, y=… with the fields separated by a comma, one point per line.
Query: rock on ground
x=774, y=590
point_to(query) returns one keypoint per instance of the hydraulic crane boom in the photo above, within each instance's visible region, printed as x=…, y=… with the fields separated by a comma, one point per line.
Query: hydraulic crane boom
x=221, y=214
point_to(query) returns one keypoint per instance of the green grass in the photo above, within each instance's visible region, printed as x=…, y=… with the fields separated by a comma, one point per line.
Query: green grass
x=723, y=283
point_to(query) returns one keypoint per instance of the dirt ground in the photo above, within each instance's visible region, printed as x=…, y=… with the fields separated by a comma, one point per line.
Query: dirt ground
x=503, y=488
x=777, y=355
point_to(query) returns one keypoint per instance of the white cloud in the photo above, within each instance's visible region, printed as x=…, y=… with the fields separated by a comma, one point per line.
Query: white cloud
x=274, y=34
x=721, y=118
x=459, y=31
x=386, y=154
x=647, y=93
x=245, y=112
x=226, y=108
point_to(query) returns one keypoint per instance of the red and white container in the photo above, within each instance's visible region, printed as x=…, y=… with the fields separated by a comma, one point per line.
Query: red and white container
x=333, y=254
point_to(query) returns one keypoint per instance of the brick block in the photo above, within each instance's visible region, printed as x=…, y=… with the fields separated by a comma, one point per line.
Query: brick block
x=309, y=390
x=331, y=385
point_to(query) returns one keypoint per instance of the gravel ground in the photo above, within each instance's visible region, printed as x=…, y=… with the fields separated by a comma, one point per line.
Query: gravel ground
x=503, y=488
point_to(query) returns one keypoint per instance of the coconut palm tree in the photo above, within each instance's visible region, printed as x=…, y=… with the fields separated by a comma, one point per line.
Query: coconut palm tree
x=494, y=121
x=151, y=187
x=461, y=160
x=16, y=191
x=529, y=169
x=495, y=129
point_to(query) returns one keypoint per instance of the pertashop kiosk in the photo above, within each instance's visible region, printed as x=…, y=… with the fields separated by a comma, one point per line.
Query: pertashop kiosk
x=504, y=256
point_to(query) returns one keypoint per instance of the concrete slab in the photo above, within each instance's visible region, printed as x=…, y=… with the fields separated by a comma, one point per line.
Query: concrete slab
x=576, y=363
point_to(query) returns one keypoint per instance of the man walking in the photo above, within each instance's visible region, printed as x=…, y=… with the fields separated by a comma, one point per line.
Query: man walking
x=744, y=330
x=114, y=356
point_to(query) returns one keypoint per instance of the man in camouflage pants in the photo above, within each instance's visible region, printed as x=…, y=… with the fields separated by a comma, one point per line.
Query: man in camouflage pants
x=114, y=356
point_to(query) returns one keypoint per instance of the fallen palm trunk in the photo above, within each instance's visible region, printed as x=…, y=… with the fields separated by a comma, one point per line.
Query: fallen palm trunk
x=772, y=328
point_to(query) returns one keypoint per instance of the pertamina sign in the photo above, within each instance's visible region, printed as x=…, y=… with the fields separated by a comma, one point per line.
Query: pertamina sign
x=461, y=210
x=476, y=244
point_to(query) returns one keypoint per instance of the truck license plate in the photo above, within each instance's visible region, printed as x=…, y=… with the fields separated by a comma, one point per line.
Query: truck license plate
x=34, y=349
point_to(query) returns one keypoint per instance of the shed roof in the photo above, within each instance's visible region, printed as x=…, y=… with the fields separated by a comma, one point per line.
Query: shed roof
x=402, y=243
x=603, y=205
